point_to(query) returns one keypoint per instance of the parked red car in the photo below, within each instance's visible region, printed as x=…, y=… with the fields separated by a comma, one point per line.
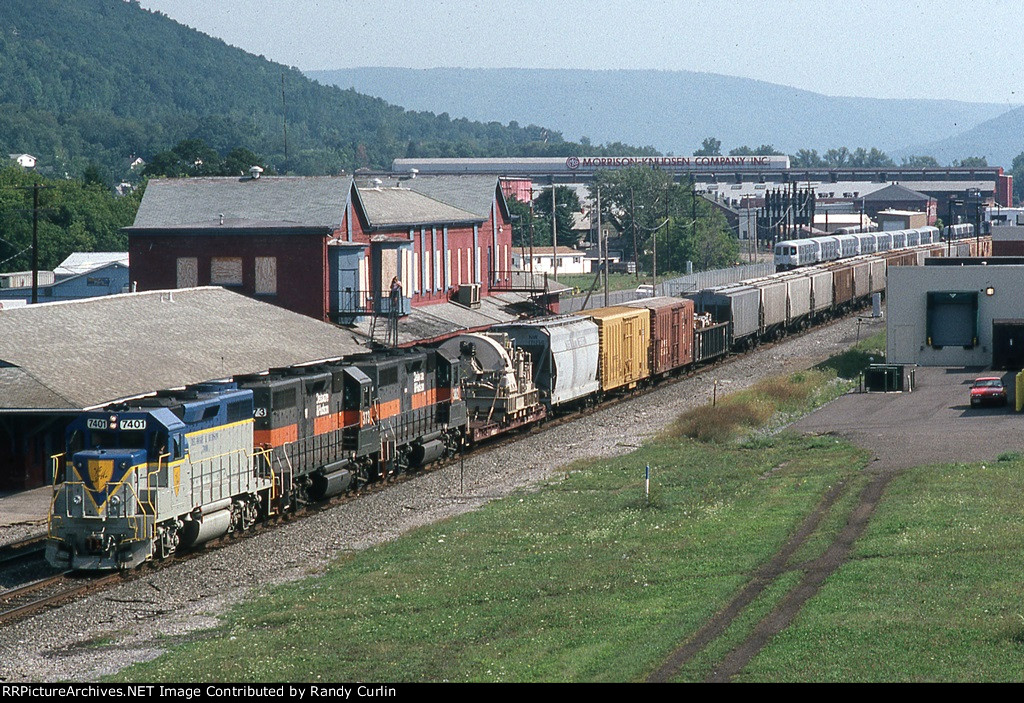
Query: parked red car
x=988, y=389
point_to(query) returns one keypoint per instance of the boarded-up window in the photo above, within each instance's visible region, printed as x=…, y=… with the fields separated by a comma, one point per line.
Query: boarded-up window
x=266, y=275
x=226, y=271
x=188, y=272
x=388, y=270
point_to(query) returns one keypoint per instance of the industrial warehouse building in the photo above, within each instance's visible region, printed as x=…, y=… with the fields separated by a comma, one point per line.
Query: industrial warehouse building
x=734, y=179
x=956, y=312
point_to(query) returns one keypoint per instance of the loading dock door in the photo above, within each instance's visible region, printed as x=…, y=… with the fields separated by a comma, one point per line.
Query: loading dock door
x=1008, y=344
x=952, y=319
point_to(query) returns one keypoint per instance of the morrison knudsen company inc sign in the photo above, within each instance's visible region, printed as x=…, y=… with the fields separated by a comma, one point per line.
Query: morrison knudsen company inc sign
x=589, y=164
x=686, y=163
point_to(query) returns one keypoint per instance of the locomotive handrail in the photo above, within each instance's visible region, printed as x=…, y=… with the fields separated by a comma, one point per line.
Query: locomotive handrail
x=55, y=463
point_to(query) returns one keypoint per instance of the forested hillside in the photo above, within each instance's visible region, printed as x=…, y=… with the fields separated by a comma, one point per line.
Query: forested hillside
x=99, y=81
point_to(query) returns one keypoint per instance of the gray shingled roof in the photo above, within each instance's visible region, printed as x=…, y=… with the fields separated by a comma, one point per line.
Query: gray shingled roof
x=473, y=194
x=268, y=201
x=397, y=207
x=88, y=352
x=896, y=192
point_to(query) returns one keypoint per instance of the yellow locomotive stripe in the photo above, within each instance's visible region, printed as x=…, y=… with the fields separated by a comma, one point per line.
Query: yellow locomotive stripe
x=220, y=427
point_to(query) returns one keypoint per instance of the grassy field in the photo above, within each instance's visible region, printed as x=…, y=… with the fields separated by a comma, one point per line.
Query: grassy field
x=582, y=581
x=933, y=591
x=616, y=281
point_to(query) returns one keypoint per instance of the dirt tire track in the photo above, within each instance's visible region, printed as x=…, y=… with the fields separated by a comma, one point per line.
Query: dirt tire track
x=761, y=579
x=817, y=571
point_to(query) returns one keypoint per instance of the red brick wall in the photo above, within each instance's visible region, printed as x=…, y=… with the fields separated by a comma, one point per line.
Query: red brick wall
x=301, y=265
x=460, y=241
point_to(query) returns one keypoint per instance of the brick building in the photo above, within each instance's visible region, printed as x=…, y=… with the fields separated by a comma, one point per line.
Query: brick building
x=327, y=247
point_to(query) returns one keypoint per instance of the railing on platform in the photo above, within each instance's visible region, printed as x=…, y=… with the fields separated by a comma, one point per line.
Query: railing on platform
x=519, y=281
x=362, y=303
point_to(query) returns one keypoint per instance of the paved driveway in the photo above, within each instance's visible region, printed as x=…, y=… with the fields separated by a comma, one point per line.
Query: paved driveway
x=933, y=424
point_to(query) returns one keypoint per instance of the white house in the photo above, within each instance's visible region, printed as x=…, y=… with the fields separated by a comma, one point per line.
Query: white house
x=543, y=260
x=24, y=160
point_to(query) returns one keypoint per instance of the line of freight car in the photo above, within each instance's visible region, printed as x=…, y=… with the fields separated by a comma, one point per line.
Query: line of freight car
x=765, y=308
x=579, y=358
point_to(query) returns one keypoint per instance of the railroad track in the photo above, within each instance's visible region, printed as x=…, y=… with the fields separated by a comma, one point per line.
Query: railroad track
x=25, y=550
x=23, y=601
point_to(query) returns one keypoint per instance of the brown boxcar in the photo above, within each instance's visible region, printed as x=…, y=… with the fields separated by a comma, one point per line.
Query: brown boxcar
x=671, y=332
x=625, y=335
x=842, y=285
x=861, y=276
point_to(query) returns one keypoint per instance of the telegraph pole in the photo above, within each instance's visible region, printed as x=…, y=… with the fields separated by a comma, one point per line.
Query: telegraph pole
x=554, y=228
x=35, y=243
x=36, y=187
x=632, y=217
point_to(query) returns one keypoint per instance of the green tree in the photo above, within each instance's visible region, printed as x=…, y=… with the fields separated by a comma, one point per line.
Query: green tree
x=522, y=218
x=807, y=158
x=74, y=216
x=837, y=158
x=566, y=204
x=919, y=162
x=971, y=162
x=763, y=150
x=656, y=213
x=709, y=147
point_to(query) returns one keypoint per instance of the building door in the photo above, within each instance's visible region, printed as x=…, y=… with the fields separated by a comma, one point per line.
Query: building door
x=952, y=319
x=1008, y=344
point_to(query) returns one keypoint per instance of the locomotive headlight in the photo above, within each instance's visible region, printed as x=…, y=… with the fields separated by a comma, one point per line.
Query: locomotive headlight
x=115, y=500
x=77, y=500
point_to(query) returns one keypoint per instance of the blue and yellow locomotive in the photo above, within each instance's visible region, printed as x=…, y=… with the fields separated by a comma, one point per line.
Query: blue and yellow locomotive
x=142, y=479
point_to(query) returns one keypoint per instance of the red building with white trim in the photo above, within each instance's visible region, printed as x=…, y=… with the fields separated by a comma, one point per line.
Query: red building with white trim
x=327, y=247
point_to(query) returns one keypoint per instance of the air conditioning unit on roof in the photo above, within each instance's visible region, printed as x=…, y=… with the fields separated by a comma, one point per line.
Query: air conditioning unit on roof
x=469, y=295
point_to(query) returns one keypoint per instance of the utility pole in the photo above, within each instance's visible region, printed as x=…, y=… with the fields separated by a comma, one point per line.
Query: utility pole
x=601, y=241
x=35, y=243
x=36, y=187
x=636, y=252
x=554, y=228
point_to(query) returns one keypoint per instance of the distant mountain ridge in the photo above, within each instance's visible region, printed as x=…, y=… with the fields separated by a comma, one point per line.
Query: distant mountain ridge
x=999, y=140
x=673, y=111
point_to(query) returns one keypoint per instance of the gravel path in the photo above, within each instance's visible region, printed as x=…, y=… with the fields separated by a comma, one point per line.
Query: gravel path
x=132, y=622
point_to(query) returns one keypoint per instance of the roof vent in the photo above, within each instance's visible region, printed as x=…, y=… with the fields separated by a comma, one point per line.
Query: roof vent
x=413, y=172
x=377, y=183
x=255, y=172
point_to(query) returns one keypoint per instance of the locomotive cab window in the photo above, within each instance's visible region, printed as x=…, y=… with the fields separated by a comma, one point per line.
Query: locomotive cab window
x=76, y=443
x=443, y=374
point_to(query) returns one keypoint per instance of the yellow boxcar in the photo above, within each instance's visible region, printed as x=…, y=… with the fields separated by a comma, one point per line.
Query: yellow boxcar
x=625, y=335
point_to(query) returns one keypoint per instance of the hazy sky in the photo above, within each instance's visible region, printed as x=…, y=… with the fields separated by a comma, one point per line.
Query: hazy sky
x=932, y=49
